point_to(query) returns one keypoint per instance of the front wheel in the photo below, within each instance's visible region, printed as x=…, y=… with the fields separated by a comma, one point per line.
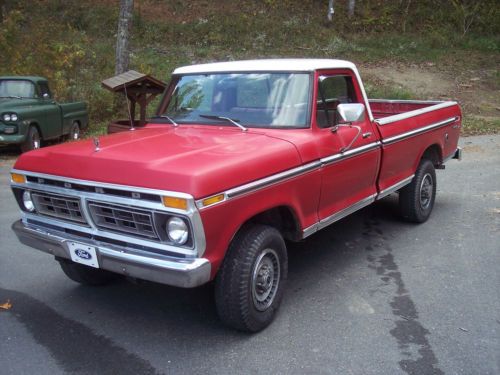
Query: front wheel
x=74, y=132
x=416, y=200
x=250, y=284
x=32, y=141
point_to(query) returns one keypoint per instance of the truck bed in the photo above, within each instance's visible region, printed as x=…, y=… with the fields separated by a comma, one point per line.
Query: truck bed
x=419, y=124
x=384, y=110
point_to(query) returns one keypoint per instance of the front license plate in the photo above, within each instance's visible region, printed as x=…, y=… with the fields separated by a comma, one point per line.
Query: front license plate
x=83, y=254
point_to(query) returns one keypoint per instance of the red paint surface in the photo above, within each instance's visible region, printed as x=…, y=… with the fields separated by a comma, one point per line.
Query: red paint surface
x=205, y=160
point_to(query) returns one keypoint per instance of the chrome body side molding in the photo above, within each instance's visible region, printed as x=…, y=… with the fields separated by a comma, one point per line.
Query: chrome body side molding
x=285, y=175
x=418, y=131
x=348, y=154
x=271, y=180
x=338, y=215
x=395, y=187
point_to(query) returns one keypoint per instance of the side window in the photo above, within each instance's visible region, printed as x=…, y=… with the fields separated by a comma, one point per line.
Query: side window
x=44, y=89
x=332, y=91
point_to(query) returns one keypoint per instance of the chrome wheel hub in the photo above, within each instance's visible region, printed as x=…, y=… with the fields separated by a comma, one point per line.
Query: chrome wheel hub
x=35, y=140
x=265, y=279
x=426, y=188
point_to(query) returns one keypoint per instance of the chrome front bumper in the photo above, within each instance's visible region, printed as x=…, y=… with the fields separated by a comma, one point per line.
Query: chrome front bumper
x=185, y=273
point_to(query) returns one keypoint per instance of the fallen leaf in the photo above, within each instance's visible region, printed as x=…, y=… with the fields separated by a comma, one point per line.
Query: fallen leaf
x=6, y=306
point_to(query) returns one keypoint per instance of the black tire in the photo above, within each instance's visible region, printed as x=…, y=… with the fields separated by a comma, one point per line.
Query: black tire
x=416, y=199
x=250, y=284
x=74, y=132
x=86, y=275
x=32, y=141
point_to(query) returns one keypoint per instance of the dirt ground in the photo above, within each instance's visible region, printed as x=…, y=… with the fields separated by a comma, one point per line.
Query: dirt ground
x=475, y=89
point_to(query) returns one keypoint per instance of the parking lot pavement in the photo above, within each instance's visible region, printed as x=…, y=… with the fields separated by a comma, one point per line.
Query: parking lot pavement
x=368, y=295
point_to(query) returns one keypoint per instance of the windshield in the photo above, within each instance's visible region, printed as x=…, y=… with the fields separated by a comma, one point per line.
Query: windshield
x=251, y=99
x=17, y=89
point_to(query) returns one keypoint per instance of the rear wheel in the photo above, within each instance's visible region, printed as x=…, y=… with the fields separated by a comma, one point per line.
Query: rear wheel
x=32, y=140
x=250, y=284
x=86, y=275
x=416, y=200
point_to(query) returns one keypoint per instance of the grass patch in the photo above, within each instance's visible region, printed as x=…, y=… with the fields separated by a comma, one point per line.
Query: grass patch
x=472, y=125
x=381, y=91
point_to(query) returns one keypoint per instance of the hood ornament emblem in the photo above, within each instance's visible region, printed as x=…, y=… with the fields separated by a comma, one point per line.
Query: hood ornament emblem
x=96, y=143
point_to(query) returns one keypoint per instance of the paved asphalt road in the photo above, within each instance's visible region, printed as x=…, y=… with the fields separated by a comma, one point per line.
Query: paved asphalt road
x=368, y=295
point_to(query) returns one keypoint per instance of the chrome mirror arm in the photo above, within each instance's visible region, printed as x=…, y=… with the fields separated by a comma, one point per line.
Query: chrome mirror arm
x=358, y=128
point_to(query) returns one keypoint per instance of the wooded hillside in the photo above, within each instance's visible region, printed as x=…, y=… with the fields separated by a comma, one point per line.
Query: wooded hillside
x=73, y=42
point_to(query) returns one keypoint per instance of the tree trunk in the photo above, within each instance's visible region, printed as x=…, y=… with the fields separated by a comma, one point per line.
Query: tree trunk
x=331, y=10
x=2, y=6
x=123, y=36
x=350, y=8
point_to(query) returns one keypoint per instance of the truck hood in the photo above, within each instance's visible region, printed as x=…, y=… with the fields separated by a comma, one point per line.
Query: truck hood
x=9, y=104
x=198, y=160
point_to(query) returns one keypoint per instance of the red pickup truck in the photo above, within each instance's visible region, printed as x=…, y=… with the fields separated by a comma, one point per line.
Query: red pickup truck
x=241, y=157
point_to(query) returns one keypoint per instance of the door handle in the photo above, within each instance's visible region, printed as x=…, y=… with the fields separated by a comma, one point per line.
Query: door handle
x=367, y=135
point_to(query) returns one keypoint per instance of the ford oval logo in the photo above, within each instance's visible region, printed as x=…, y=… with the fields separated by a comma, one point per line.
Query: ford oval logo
x=83, y=254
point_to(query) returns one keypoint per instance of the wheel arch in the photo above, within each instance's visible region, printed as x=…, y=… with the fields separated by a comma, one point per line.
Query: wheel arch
x=283, y=218
x=434, y=153
x=37, y=126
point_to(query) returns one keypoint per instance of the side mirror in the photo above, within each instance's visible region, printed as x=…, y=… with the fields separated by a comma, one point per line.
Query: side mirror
x=349, y=113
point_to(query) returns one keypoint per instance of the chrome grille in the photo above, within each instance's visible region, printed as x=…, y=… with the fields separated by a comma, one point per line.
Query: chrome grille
x=123, y=219
x=58, y=206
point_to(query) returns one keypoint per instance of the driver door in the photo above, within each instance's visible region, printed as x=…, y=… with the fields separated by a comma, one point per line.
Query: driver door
x=350, y=153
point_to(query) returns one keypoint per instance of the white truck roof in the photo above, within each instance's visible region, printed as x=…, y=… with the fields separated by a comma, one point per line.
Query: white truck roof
x=268, y=65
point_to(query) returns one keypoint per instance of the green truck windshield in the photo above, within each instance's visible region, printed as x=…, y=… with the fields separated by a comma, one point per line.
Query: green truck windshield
x=16, y=89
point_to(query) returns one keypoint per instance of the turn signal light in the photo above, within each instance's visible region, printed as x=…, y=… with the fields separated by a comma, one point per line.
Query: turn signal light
x=173, y=202
x=18, y=178
x=212, y=200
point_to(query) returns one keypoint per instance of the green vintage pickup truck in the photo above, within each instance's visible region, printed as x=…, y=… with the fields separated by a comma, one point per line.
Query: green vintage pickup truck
x=29, y=115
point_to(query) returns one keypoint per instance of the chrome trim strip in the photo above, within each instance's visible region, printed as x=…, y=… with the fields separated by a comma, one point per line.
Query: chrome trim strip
x=271, y=180
x=412, y=133
x=338, y=215
x=405, y=115
x=104, y=184
x=396, y=186
x=348, y=154
x=403, y=101
x=261, y=184
x=310, y=230
x=283, y=176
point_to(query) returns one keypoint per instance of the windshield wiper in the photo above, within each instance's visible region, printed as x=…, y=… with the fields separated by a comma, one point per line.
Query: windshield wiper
x=168, y=118
x=232, y=121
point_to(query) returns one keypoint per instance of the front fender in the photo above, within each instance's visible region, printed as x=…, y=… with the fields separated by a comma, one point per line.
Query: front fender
x=222, y=221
